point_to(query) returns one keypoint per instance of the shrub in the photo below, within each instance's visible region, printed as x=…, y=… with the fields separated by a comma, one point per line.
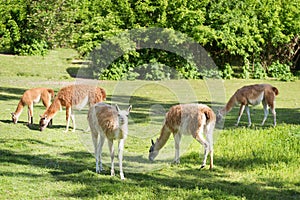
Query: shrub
x=280, y=71
x=259, y=72
x=228, y=72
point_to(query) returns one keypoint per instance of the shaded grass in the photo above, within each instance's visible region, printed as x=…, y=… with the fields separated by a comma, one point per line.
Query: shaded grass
x=250, y=163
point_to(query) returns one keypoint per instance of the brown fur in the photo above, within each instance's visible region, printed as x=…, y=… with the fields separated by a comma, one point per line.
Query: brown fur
x=194, y=119
x=251, y=95
x=108, y=121
x=72, y=96
x=29, y=98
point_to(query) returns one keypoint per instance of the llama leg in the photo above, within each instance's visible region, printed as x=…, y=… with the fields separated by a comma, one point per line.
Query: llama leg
x=102, y=140
x=248, y=114
x=68, y=113
x=266, y=112
x=240, y=114
x=73, y=120
x=177, y=138
x=199, y=137
x=96, y=147
x=209, y=137
x=50, y=123
x=30, y=114
x=274, y=114
x=112, y=154
x=120, y=154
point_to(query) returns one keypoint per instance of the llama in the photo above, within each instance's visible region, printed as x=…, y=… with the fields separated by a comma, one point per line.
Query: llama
x=197, y=120
x=252, y=95
x=72, y=96
x=31, y=97
x=109, y=122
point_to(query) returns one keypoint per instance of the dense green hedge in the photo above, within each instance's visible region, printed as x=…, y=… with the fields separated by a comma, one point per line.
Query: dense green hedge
x=250, y=34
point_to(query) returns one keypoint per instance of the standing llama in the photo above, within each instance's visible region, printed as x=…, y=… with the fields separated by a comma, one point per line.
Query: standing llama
x=72, y=96
x=109, y=122
x=252, y=95
x=197, y=120
x=31, y=97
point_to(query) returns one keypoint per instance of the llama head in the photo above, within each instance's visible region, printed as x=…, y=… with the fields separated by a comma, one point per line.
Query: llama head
x=123, y=115
x=44, y=121
x=14, y=118
x=152, y=152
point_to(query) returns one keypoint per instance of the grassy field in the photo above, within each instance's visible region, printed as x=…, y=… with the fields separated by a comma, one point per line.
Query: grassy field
x=250, y=163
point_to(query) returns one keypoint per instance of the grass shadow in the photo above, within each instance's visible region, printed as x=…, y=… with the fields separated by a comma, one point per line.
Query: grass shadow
x=11, y=93
x=80, y=72
x=283, y=115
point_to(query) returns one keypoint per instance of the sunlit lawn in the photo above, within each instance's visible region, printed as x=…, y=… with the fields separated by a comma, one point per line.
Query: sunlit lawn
x=250, y=163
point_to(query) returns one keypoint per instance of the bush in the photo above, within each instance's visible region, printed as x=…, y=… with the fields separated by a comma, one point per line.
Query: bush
x=280, y=71
x=259, y=72
x=34, y=48
x=228, y=72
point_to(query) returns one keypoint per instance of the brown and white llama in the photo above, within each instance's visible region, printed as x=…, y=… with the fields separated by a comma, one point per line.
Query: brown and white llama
x=197, y=120
x=31, y=97
x=72, y=96
x=109, y=122
x=252, y=95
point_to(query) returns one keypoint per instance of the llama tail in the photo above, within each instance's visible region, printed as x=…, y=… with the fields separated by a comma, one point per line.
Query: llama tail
x=50, y=91
x=103, y=94
x=275, y=90
x=209, y=114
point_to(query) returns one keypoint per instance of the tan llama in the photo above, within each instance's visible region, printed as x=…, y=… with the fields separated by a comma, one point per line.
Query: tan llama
x=72, y=96
x=31, y=97
x=252, y=95
x=109, y=122
x=197, y=120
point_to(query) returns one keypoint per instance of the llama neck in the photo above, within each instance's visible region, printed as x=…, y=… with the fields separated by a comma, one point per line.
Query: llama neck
x=19, y=108
x=53, y=108
x=124, y=129
x=163, y=138
x=230, y=104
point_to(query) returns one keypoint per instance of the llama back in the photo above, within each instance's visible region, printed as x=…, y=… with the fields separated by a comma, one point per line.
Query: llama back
x=249, y=92
x=80, y=94
x=189, y=117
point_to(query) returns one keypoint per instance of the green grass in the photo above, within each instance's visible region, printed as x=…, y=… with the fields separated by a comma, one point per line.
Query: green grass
x=250, y=163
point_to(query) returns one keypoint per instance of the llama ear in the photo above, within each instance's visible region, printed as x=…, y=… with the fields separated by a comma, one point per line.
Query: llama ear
x=152, y=142
x=129, y=108
x=117, y=107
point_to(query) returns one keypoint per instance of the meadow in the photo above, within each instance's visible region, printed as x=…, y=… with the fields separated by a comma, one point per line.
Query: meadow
x=250, y=163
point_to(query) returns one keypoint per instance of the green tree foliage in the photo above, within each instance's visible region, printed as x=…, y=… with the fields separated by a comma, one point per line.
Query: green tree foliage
x=246, y=33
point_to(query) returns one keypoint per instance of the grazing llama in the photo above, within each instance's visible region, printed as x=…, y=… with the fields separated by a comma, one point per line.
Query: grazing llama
x=197, y=120
x=109, y=122
x=72, y=96
x=252, y=95
x=31, y=97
